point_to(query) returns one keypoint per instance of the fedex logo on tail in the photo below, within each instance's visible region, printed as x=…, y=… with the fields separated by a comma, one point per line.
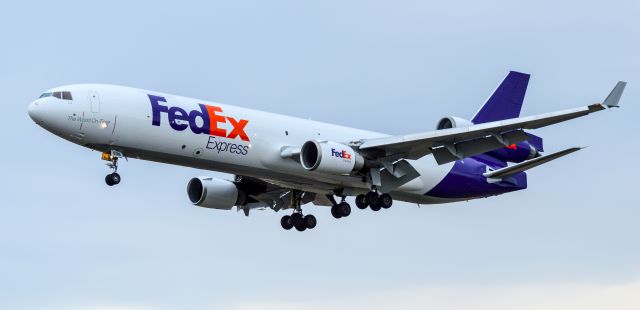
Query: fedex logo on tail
x=340, y=154
x=211, y=116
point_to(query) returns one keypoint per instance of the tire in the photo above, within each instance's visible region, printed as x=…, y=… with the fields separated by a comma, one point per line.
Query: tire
x=115, y=178
x=376, y=207
x=372, y=198
x=344, y=209
x=361, y=202
x=310, y=221
x=285, y=222
x=301, y=226
x=107, y=180
x=385, y=201
x=296, y=220
x=335, y=212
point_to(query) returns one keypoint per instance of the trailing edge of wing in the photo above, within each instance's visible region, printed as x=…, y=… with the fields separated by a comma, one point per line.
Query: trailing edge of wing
x=526, y=165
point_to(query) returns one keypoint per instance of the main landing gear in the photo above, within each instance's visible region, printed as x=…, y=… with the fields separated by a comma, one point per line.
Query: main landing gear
x=374, y=201
x=112, y=158
x=297, y=220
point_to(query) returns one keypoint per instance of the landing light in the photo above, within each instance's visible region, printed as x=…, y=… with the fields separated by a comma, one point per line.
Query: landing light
x=106, y=156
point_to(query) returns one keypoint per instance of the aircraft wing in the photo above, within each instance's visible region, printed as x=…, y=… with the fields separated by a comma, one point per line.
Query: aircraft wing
x=457, y=143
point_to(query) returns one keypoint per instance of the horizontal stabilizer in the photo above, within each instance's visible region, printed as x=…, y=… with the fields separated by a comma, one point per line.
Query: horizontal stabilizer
x=614, y=97
x=526, y=165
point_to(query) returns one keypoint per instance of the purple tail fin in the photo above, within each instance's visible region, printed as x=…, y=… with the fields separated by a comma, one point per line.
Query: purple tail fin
x=506, y=100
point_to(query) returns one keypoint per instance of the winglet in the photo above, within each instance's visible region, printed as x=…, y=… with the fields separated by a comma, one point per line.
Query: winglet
x=614, y=96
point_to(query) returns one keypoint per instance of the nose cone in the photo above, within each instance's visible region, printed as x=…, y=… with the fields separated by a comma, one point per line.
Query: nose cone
x=35, y=112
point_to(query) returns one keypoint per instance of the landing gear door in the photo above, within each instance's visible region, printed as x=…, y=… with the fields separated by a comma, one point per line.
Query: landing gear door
x=94, y=98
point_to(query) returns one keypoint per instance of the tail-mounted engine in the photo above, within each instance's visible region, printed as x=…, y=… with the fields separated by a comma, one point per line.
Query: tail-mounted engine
x=515, y=153
x=452, y=122
x=330, y=157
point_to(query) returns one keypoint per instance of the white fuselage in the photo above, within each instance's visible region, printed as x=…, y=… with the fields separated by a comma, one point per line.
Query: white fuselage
x=244, y=141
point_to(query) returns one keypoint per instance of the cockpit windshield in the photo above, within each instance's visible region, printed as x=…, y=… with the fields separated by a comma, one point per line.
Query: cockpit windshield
x=64, y=95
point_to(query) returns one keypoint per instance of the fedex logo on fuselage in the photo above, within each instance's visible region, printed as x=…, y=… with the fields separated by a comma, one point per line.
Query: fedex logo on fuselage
x=211, y=117
x=340, y=154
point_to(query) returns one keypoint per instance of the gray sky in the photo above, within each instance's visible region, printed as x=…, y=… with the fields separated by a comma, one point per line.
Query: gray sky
x=67, y=241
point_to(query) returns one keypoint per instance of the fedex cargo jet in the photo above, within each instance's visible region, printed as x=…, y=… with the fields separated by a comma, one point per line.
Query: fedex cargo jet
x=283, y=163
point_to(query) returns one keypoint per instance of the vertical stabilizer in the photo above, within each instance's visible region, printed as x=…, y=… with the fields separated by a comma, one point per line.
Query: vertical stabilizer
x=506, y=100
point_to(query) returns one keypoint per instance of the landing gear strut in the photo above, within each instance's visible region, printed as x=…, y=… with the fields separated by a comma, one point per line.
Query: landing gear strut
x=297, y=220
x=112, y=158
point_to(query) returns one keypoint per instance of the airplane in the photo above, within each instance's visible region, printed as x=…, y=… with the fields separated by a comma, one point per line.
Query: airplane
x=282, y=163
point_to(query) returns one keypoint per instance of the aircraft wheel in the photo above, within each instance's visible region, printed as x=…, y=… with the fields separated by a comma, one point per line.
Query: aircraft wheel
x=372, y=198
x=361, y=201
x=286, y=222
x=300, y=226
x=115, y=178
x=310, y=221
x=296, y=219
x=335, y=212
x=376, y=207
x=385, y=201
x=344, y=209
x=112, y=179
x=107, y=179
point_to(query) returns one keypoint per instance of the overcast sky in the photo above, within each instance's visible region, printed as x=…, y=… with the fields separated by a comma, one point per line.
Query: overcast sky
x=571, y=241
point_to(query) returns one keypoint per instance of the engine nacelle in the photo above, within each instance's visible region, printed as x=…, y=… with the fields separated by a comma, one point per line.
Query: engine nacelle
x=214, y=193
x=515, y=153
x=330, y=157
x=453, y=122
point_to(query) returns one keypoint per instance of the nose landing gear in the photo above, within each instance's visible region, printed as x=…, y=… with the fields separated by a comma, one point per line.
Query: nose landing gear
x=112, y=158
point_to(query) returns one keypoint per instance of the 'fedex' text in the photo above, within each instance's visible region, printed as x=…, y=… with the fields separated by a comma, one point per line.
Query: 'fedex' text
x=211, y=117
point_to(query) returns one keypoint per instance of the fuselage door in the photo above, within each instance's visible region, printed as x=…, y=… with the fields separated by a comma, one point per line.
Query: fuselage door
x=99, y=124
x=95, y=102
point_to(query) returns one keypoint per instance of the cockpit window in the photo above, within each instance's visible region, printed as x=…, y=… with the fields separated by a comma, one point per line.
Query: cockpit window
x=64, y=95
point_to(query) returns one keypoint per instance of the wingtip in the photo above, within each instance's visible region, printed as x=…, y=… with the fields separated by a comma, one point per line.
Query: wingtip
x=613, y=99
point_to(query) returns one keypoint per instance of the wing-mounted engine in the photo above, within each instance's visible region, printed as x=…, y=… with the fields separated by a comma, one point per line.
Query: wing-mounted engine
x=453, y=122
x=214, y=193
x=330, y=157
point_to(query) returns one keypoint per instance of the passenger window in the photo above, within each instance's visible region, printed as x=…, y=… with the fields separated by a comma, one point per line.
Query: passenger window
x=57, y=94
x=66, y=95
